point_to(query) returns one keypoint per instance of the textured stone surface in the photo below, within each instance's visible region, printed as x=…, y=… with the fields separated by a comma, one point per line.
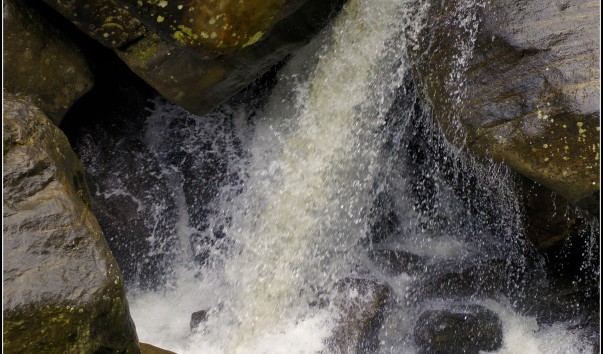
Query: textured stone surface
x=40, y=62
x=107, y=21
x=63, y=292
x=199, y=78
x=517, y=81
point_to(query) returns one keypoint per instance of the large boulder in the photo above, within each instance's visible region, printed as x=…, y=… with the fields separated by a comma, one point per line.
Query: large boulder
x=197, y=70
x=516, y=81
x=63, y=292
x=199, y=53
x=40, y=62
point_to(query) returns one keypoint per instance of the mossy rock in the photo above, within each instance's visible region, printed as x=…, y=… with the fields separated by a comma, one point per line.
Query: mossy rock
x=517, y=82
x=199, y=77
x=40, y=62
x=107, y=21
x=63, y=292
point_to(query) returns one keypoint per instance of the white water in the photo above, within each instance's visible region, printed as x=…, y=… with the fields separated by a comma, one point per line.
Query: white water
x=308, y=181
x=314, y=156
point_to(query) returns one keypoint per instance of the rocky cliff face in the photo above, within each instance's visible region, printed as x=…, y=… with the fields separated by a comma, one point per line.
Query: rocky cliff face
x=518, y=82
x=63, y=292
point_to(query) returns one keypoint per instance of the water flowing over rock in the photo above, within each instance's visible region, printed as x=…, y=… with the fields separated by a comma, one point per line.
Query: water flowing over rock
x=40, y=62
x=465, y=329
x=517, y=81
x=361, y=304
x=62, y=288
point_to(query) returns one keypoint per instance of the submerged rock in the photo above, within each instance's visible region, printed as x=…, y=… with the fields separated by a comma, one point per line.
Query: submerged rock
x=522, y=87
x=360, y=303
x=197, y=318
x=468, y=329
x=63, y=291
x=40, y=62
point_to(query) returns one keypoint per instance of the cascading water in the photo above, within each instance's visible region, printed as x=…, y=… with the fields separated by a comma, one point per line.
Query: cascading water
x=272, y=206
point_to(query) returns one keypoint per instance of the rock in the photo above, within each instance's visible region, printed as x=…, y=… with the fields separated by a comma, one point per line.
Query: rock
x=199, y=73
x=468, y=329
x=132, y=196
x=471, y=278
x=151, y=349
x=398, y=262
x=549, y=218
x=197, y=318
x=521, y=88
x=361, y=304
x=200, y=53
x=106, y=21
x=63, y=291
x=40, y=62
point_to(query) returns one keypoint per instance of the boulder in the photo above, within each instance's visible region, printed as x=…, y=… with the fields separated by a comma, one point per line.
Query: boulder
x=199, y=53
x=518, y=82
x=360, y=303
x=467, y=329
x=40, y=62
x=107, y=21
x=63, y=291
x=197, y=70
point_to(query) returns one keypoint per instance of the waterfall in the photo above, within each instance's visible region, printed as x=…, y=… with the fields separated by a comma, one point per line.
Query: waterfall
x=273, y=200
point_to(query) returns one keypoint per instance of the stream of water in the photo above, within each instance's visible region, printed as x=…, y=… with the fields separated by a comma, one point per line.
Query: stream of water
x=337, y=163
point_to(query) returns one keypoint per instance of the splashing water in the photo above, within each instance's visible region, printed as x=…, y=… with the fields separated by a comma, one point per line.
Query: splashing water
x=339, y=138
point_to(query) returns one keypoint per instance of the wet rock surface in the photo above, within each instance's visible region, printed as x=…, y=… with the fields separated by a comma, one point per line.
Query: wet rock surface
x=521, y=88
x=199, y=53
x=468, y=329
x=63, y=291
x=360, y=303
x=199, y=82
x=107, y=21
x=41, y=62
x=197, y=318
